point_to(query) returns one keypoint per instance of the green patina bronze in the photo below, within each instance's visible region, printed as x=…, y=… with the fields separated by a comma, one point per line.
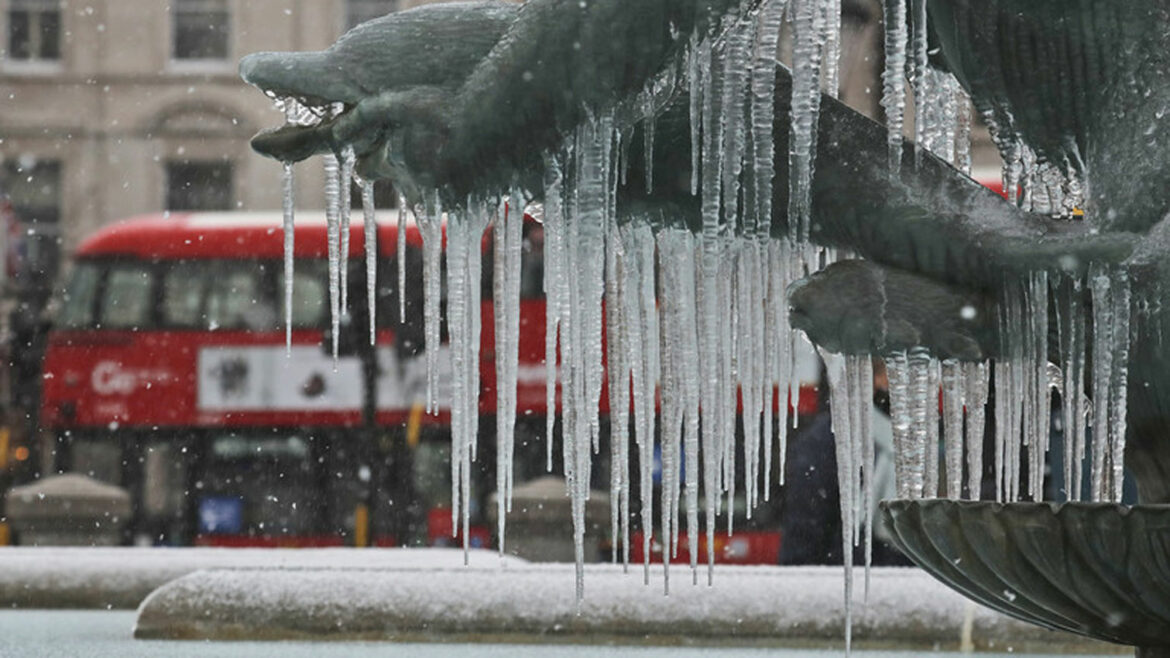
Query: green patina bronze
x=469, y=97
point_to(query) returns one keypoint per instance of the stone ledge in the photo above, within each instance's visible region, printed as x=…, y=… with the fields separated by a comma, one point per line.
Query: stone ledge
x=768, y=606
x=121, y=577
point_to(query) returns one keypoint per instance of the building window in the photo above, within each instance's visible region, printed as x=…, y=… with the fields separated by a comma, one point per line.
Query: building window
x=33, y=249
x=34, y=30
x=199, y=185
x=360, y=11
x=201, y=29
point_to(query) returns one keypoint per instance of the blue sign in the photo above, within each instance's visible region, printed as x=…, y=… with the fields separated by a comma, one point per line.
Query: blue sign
x=221, y=515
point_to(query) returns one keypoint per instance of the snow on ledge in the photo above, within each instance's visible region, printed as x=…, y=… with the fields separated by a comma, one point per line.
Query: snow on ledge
x=769, y=605
x=58, y=577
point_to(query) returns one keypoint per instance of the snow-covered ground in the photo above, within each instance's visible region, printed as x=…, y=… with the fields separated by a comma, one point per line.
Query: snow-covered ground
x=93, y=634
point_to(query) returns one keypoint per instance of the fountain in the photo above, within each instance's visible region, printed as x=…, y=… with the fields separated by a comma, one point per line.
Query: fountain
x=882, y=248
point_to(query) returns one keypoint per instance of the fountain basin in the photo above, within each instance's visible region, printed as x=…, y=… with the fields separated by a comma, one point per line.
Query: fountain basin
x=1096, y=569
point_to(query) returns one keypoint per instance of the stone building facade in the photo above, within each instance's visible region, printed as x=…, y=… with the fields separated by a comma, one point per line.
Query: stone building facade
x=112, y=108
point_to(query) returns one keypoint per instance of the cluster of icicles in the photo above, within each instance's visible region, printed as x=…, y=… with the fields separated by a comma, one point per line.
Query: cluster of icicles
x=702, y=319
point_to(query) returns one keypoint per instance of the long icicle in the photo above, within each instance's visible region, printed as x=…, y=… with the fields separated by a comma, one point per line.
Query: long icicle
x=333, y=231
x=430, y=218
x=894, y=78
x=975, y=395
x=554, y=290
x=1102, y=371
x=843, y=435
x=505, y=265
x=401, y=239
x=618, y=373
x=952, y=384
x=345, y=184
x=763, y=85
x=808, y=50
x=370, y=226
x=289, y=194
x=1119, y=380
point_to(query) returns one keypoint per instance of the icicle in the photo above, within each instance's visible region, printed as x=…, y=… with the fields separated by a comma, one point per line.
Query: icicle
x=952, y=383
x=1018, y=404
x=1119, y=380
x=806, y=101
x=932, y=433
x=771, y=333
x=515, y=235
x=832, y=9
x=843, y=434
x=691, y=396
x=370, y=225
x=1002, y=426
x=975, y=395
x=293, y=114
x=646, y=381
x=1103, y=344
x=746, y=358
x=456, y=254
x=902, y=423
x=345, y=184
x=858, y=430
x=1015, y=389
x=430, y=219
x=638, y=247
x=592, y=194
x=1072, y=337
x=507, y=234
x=760, y=386
x=856, y=410
x=401, y=238
x=1037, y=411
x=920, y=80
x=648, y=138
x=922, y=397
x=675, y=248
x=289, y=241
x=333, y=230
x=894, y=78
x=699, y=79
x=727, y=383
x=763, y=116
x=555, y=292
x=710, y=295
x=736, y=67
x=619, y=385
x=780, y=341
x=924, y=409
x=464, y=260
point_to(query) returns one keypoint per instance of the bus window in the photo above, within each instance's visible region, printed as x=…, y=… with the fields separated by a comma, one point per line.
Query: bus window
x=310, y=294
x=271, y=478
x=532, y=262
x=236, y=299
x=182, y=299
x=126, y=297
x=77, y=304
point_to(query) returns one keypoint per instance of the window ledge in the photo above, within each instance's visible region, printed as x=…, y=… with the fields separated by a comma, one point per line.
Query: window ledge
x=201, y=66
x=31, y=67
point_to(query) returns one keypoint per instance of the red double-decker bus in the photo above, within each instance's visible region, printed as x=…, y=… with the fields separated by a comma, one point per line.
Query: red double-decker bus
x=166, y=371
